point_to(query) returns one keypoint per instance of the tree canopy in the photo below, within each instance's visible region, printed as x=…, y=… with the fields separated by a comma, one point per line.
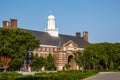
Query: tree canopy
x=102, y=55
x=16, y=63
x=79, y=58
x=14, y=43
x=50, y=62
x=37, y=63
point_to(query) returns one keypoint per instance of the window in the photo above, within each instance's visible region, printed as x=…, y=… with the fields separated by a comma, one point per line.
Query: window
x=43, y=54
x=55, y=49
x=43, y=49
x=47, y=49
x=51, y=49
x=46, y=55
x=39, y=54
x=38, y=49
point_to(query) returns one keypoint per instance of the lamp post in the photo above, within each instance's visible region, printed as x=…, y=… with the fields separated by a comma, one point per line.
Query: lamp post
x=24, y=64
x=27, y=60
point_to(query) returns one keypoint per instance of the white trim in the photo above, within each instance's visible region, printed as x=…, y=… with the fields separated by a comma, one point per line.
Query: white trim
x=80, y=48
x=47, y=46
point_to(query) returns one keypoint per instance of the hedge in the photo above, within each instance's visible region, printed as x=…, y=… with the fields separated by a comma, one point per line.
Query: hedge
x=61, y=75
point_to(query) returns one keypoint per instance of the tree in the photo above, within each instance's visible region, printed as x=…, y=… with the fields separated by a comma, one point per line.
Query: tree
x=16, y=63
x=79, y=58
x=50, y=62
x=37, y=63
x=102, y=55
x=5, y=60
x=14, y=43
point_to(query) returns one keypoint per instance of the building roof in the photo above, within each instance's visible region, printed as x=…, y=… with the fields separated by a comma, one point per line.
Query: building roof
x=46, y=39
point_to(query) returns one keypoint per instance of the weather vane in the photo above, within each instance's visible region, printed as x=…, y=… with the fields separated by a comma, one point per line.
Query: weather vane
x=50, y=12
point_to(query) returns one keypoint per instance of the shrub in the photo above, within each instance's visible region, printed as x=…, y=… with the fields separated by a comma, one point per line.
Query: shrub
x=9, y=75
x=61, y=75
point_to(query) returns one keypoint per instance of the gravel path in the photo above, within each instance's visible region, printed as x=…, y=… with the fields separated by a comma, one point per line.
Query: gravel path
x=105, y=76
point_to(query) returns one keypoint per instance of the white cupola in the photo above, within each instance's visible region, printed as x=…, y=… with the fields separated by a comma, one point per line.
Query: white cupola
x=51, y=29
x=51, y=22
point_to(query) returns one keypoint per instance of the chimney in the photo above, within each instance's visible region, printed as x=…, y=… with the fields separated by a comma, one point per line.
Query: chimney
x=13, y=23
x=78, y=34
x=85, y=36
x=6, y=24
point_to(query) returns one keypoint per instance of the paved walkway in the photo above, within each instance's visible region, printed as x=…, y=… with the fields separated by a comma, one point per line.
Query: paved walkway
x=32, y=73
x=105, y=76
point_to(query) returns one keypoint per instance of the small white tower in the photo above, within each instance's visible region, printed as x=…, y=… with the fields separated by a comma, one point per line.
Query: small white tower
x=51, y=29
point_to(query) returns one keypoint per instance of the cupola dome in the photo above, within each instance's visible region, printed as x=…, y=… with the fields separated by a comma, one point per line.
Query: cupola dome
x=51, y=17
x=51, y=28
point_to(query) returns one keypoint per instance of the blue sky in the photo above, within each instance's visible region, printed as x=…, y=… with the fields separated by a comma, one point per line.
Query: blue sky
x=101, y=18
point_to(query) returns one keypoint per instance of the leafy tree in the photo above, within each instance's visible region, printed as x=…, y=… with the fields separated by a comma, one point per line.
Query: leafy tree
x=14, y=43
x=50, y=62
x=79, y=59
x=16, y=63
x=37, y=63
x=111, y=65
x=5, y=60
x=102, y=55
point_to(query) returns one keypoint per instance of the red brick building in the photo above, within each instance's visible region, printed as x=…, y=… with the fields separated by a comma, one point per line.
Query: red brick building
x=59, y=45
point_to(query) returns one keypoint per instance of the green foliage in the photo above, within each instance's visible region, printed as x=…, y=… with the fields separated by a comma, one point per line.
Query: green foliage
x=111, y=65
x=37, y=63
x=9, y=75
x=50, y=62
x=79, y=59
x=16, y=63
x=102, y=55
x=62, y=75
x=67, y=66
x=16, y=42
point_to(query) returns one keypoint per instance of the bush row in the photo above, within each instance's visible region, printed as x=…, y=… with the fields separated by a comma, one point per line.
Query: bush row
x=62, y=75
x=9, y=75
